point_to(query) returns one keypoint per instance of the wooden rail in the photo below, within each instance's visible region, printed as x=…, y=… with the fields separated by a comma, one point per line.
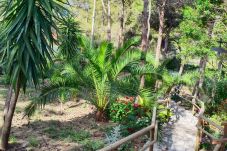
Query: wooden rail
x=220, y=142
x=153, y=129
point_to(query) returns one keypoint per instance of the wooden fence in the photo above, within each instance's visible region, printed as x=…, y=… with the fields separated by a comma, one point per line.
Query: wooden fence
x=219, y=142
x=152, y=129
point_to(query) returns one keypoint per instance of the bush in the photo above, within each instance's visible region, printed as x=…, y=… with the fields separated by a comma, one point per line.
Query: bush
x=119, y=111
x=131, y=116
x=92, y=145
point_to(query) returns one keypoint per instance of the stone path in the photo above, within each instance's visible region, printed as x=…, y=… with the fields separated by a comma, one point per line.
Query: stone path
x=180, y=133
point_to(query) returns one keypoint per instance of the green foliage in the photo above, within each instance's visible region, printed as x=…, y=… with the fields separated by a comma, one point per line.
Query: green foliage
x=28, y=38
x=198, y=30
x=69, y=37
x=119, y=111
x=67, y=134
x=132, y=116
x=216, y=90
x=33, y=141
x=114, y=135
x=164, y=114
x=92, y=145
x=98, y=75
x=12, y=139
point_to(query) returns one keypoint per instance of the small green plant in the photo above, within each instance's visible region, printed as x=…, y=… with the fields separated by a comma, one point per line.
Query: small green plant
x=132, y=116
x=114, y=135
x=68, y=134
x=33, y=142
x=92, y=145
x=119, y=110
x=12, y=139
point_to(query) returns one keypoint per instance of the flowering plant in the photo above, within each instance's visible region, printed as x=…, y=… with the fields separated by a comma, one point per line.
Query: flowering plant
x=131, y=115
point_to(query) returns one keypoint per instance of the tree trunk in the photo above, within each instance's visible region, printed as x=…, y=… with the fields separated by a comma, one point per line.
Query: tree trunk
x=202, y=68
x=148, y=21
x=5, y=132
x=181, y=69
x=165, y=51
x=7, y=103
x=61, y=107
x=160, y=32
x=100, y=116
x=93, y=23
x=122, y=20
x=144, y=43
x=109, y=22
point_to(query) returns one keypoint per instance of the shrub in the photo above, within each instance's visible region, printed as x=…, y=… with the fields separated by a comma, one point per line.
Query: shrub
x=131, y=116
x=33, y=141
x=114, y=135
x=92, y=145
x=12, y=139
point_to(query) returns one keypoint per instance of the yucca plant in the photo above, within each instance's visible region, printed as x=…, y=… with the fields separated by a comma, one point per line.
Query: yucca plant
x=98, y=75
x=27, y=43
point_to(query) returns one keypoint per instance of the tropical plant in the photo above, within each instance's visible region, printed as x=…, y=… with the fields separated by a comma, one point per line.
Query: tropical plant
x=27, y=47
x=98, y=75
x=69, y=37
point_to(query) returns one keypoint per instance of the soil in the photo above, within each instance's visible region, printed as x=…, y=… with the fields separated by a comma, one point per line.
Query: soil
x=78, y=115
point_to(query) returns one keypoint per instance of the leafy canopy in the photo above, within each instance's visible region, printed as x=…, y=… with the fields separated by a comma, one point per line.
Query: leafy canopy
x=29, y=37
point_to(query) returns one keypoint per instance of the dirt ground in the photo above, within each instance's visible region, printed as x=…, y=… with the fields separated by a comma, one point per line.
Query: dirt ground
x=36, y=133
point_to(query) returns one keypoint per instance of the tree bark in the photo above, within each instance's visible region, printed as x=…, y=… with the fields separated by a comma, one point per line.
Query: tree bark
x=5, y=132
x=109, y=21
x=165, y=51
x=6, y=106
x=181, y=69
x=122, y=20
x=144, y=43
x=148, y=20
x=93, y=23
x=161, y=10
x=199, y=85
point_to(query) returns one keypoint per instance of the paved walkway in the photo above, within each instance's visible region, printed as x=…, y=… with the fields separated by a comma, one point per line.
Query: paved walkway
x=180, y=133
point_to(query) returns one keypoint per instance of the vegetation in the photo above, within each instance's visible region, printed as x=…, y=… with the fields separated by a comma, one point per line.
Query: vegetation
x=121, y=57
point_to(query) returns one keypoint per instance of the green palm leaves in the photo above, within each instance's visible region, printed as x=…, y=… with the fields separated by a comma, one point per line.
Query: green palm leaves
x=28, y=38
x=98, y=75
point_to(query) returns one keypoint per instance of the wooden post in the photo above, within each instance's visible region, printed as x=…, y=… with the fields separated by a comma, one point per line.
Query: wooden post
x=225, y=129
x=198, y=134
x=151, y=139
x=224, y=140
x=152, y=131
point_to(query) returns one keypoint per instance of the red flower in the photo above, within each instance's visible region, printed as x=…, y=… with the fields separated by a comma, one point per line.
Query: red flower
x=136, y=105
x=131, y=98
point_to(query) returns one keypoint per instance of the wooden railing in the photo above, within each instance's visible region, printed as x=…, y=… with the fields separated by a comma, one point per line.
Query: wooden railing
x=219, y=142
x=152, y=129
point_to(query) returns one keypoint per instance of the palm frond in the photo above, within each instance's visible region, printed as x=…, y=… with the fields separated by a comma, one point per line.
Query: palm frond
x=126, y=59
x=49, y=94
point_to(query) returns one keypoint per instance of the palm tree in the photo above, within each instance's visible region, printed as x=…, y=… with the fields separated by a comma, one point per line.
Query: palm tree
x=98, y=75
x=27, y=47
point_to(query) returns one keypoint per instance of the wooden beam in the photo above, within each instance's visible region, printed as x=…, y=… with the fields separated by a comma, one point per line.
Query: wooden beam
x=132, y=136
x=212, y=123
x=128, y=138
x=225, y=129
